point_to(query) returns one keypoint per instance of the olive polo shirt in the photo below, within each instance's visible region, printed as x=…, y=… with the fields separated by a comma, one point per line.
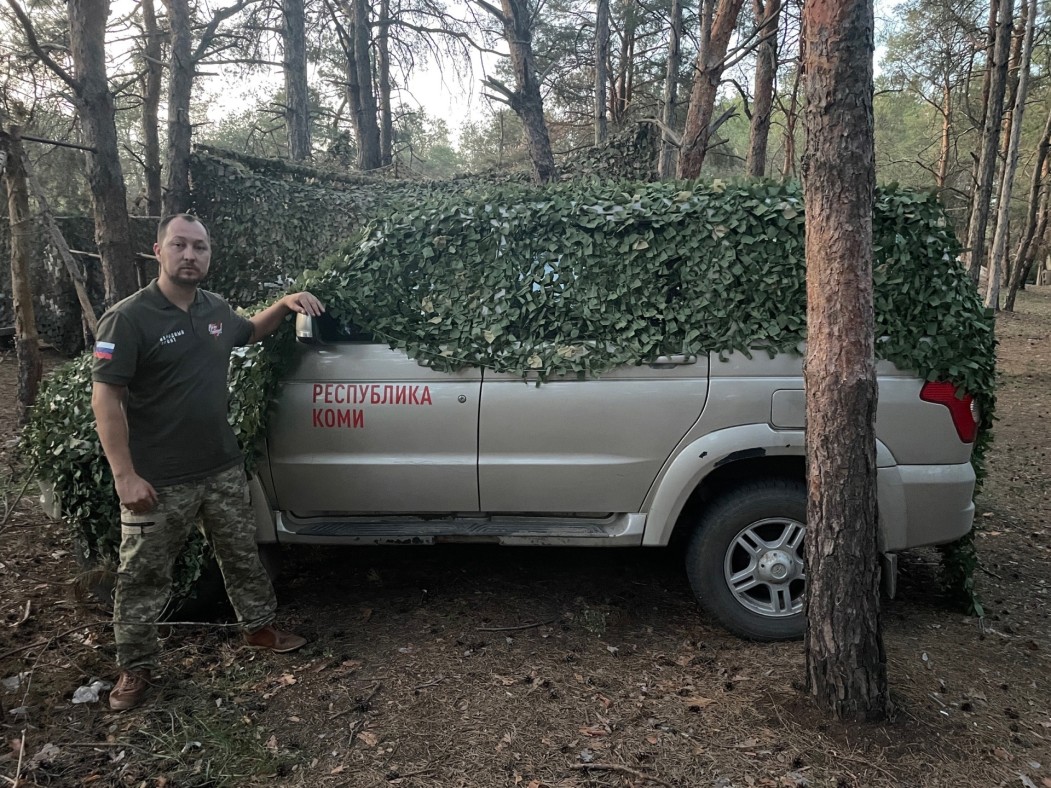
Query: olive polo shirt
x=175, y=366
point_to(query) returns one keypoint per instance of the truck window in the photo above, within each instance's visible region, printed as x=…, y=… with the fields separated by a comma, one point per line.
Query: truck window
x=333, y=330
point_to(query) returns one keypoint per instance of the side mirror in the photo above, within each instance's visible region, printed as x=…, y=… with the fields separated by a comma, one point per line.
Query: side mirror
x=307, y=330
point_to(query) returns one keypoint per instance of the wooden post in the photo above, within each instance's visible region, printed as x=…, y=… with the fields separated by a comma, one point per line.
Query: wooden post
x=27, y=344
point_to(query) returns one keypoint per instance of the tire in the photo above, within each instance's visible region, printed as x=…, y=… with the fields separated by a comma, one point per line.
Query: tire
x=745, y=559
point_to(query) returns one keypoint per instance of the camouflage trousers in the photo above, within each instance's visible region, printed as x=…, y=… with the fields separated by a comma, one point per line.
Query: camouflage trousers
x=151, y=542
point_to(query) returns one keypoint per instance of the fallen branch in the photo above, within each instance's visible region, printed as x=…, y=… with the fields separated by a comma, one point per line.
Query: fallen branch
x=612, y=767
x=51, y=639
x=515, y=629
x=11, y=508
x=120, y=744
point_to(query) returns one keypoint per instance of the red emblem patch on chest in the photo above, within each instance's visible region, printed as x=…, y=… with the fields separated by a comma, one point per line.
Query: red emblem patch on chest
x=215, y=329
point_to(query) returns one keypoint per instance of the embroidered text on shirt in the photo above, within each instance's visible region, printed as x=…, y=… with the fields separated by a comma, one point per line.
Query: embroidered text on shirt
x=169, y=339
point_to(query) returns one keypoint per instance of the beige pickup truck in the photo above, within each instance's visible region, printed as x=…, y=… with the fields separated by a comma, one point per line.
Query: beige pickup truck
x=367, y=446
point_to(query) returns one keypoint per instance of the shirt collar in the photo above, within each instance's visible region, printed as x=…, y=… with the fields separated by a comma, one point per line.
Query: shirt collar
x=156, y=297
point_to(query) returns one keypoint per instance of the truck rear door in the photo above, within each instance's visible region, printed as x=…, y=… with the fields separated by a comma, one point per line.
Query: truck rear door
x=584, y=446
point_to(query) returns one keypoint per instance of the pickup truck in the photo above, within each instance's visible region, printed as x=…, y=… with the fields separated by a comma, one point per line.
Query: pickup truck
x=367, y=446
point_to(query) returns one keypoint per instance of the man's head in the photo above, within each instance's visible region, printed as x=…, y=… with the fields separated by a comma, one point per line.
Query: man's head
x=183, y=250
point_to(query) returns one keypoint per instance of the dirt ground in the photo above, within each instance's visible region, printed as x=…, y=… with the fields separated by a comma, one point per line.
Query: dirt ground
x=470, y=667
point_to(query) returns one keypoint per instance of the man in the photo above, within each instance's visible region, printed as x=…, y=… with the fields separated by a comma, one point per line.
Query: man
x=160, y=402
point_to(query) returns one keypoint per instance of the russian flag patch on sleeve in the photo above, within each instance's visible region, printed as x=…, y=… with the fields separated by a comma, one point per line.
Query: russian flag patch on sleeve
x=104, y=350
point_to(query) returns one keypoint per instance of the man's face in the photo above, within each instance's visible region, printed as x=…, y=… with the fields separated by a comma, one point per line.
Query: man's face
x=185, y=253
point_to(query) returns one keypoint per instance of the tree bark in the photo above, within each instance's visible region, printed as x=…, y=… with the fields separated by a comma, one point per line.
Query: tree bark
x=992, y=296
x=846, y=662
x=768, y=18
x=383, y=74
x=788, y=166
x=624, y=83
x=1032, y=231
x=297, y=94
x=666, y=162
x=87, y=34
x=180, y=85
x=525, y=99
x=1010, y=91
x=94, y=103
x=369, y=157
x=707, y=76
x=151, y=99
x=27, y=341
x=983, y=192
x=946, y=138
x=601, y=59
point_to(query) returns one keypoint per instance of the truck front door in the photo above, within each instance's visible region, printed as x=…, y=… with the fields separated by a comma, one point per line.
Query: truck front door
x=361, y=428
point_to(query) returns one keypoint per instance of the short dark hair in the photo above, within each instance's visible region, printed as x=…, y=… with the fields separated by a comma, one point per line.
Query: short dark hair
x=162, y=228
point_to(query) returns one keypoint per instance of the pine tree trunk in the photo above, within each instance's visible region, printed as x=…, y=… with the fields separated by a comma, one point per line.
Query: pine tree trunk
x=788, y=166
x=601, y=60
x=180, y=85
x=369, y=157
x=768, y=18
x=707, y=77
x=297, y=94
x=992, y=296
x=525, y=100
x=1032, y=231
x=1010, y=91
x=945, y=149
x=151, y=100
x=94, y=101
x=666, y=163
x=383, y=74
x=625, y=64
x=846, y=663
x=27, y=343
x=976, y=232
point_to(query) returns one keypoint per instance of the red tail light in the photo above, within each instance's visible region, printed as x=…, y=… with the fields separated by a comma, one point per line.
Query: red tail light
x=962, y=406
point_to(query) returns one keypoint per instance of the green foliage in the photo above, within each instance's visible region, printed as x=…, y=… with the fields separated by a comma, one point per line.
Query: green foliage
x=61, y=443
x=254, y=372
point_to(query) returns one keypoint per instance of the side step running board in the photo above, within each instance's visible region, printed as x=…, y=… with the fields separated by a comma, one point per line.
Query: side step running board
x=615, y=530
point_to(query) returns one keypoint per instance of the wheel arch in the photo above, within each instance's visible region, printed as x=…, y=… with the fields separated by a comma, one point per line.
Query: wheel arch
x=710, y=463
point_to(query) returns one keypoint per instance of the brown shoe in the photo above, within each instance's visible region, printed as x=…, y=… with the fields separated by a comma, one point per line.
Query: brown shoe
x=274, y=639
x=131, y=686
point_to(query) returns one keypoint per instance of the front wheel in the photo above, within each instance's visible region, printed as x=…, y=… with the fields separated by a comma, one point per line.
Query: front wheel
x=745, y=559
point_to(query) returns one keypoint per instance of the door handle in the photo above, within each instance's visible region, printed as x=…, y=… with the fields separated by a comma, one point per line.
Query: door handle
x=674, y=360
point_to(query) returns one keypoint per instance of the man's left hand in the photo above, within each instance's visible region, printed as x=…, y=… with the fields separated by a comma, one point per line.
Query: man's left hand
x=303, y=303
